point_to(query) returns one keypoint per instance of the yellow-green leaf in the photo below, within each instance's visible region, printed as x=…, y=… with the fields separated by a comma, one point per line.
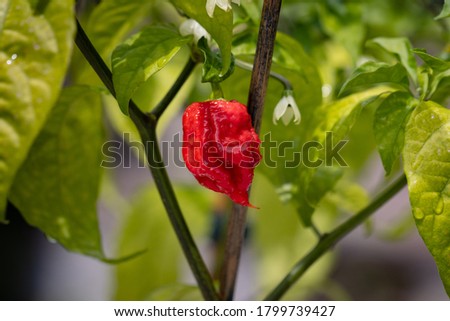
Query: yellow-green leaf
x=139, y=57
x=4, y=7
x=426, y=157
x=376, y=73
x=57, y=186
x=35, y=48
x=328, y=127
x=389, y=126
x=401, y=48
x=112, y=20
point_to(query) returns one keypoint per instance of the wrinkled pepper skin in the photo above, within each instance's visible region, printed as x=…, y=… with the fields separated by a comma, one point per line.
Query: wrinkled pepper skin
x=220, y=147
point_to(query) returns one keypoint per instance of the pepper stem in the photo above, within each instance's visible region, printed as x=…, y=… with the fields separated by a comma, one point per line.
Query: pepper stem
x=217, y=92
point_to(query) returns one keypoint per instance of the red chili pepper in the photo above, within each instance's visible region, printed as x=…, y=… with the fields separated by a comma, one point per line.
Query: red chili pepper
x=220, y=147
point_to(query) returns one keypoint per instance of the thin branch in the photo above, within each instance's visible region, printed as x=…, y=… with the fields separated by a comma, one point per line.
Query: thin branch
x=257, y=93
x=94, y=59
x=283, y=80
x=330, y=239
x=184, y=75
x=167, y=194
x=146, y=125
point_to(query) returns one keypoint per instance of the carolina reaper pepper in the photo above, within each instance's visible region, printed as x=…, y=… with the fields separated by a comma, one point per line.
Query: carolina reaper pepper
x=220, y=147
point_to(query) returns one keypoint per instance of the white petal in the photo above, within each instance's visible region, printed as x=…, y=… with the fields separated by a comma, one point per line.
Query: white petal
x=223, y=4
x=200, y=32
x=192, y=27
x=295, y=110
x=286, y=110
x=280, y=109
x=287, y=116
x=238, y=2
x=210, y=5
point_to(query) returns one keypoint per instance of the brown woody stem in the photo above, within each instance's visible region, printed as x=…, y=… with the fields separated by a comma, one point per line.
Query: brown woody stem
x=258, y=86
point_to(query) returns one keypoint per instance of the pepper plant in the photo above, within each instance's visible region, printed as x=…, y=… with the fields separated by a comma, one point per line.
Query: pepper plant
x=310, y=79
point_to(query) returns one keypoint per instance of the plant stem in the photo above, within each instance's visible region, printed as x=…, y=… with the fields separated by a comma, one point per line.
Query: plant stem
x=263, y=60
x=146, y=125
x=330, y=239
x=159, y=173
x=255, y=104
x=283, y=80
x=94, y=59
x=164, y=103
x=216, y=89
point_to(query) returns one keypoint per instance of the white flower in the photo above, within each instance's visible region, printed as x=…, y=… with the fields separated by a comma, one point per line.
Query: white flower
x=192, y=27
x=286, y=110
x=222, y=4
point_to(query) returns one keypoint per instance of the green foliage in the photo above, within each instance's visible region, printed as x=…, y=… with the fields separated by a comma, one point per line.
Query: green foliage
x=220, y=27
x=142, y=55
x=439, y=71
x=445, y=13
x=146, y=226
x=4, y=7
x=401, y=48
x=147, y=96
x=34, y=54
x=389, y=126
x=57, y=186
x=426, y=156
x=118, y=17
x=376, y=73
x=213, y=64
x=279, y=240
x=334, y=119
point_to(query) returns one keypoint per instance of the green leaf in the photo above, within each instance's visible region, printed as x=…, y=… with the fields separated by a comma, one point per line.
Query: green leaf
x=220, y=27
x=389, y=126
x=34, y=54
x=433, y=62
x=4, y=7
x=327, y=128
x=445, y=13
x=323, y=181
x=251, y=10
x=325, y=178
x=426, y=156
x=279, y=241
x=402, y=49
x=118, y=17
x=147, y=226
x=440, y=70
x=348, y=196
x=139, y=57
x=147, y=97
x=212, y=66
x=56, y=188
x=376, y=73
